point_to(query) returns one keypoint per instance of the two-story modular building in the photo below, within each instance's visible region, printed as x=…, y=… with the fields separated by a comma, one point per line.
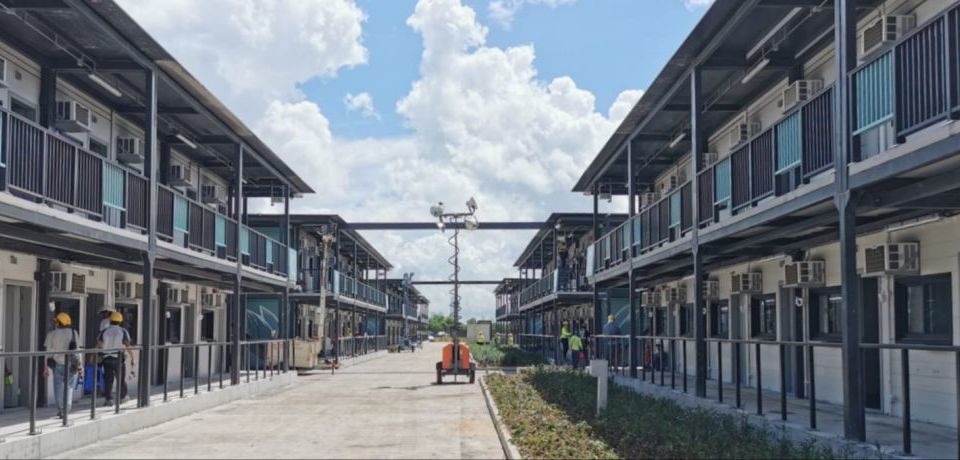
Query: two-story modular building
x=507, y=298
x=791, y=175
x=405, y=308
x=123, y=185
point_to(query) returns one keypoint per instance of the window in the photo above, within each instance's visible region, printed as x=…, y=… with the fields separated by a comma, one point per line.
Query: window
x=174, y=323
x=207, y=326
x=23, y=109
x=659, y=321
x=685, y=313
x=825, y=308
x=100, y=148
x=130, y=314
x=924, y=309
x=720, y=319
x=763, y=317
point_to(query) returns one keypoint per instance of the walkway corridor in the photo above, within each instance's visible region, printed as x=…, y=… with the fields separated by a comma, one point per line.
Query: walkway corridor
x=387, y=407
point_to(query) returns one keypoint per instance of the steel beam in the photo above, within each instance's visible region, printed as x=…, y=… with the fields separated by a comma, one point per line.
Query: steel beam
x=631, y=276
x=237, y=316
x=433, y=226
x=149, y=256
x=698, y=139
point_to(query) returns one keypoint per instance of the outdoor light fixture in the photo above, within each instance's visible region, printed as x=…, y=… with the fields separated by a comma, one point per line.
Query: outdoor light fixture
x=677, y=140
x=437, y=211
x=472, y=205
x=186, y=140
x=755, y=70
x=471, y=223
x=106, y=85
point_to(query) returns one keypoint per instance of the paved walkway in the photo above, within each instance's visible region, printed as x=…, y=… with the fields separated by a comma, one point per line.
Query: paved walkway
x=383, y=408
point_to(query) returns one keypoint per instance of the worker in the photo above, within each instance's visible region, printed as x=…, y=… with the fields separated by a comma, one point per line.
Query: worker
x=609, y=343
x=115, y=338
x=65, y=366
x=564, y=341
x=611, y=327
x=105, y=313
x=576, y=348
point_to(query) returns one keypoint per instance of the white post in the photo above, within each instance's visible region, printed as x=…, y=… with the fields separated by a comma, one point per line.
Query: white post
x=598, y=369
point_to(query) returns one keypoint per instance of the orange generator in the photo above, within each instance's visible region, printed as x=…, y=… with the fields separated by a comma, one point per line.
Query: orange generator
x=464, y=365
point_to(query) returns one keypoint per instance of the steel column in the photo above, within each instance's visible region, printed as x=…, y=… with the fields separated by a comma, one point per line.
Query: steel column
x=237, y=316
x=631, y=277
x=699, y=146
x=286, y=333
x=150, y=162
x=597, y=316
x=845, y=29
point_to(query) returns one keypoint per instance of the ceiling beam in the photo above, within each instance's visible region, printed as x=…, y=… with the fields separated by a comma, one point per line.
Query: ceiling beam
x=918, y=190
x=106, y=65
x=34, y=4
x=139, y=110
x=711, y=108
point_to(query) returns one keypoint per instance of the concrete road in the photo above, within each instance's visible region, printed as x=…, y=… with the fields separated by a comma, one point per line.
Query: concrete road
x=387, y=407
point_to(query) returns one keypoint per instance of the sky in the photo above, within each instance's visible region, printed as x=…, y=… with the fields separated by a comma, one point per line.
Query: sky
x=386, y=107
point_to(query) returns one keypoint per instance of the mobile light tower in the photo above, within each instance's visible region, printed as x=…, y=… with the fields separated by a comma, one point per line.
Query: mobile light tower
x=468, y=221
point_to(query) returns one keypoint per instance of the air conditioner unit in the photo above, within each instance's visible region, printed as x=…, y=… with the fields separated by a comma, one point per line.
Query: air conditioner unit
x=711, y=289
x=804, y=274
x=884, y=30
x=180, y=176
x=672, y=182
x=677, y=295
x=210, y=194
x=68, y=283
x=746, y=283
x=650, y=298
x=3, y=73
x=648, y=199
x=799, y=91
x=894, y=258
x=710, y=158
x=130, y=150
x=72, y=117
x=741, y=132
x=184, y=295
x=174, y=296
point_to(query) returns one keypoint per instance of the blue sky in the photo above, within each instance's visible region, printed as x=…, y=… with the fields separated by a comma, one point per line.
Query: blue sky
x=606, y=46
x=465, y=103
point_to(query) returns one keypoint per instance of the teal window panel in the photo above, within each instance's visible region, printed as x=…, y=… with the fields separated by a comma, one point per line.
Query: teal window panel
x=637, y=231
x=721, y=181
x=3, y=131
x=220, y=230
x=789, y=142
x=874, y=93
x=181, y=216
x=269, y=251
x=675, y=209
x=244, y=241
x=113, y=185
x=292, y=263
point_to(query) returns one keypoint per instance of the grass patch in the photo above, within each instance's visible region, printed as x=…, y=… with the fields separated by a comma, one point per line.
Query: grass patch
x=550, y=414
x=489, y=355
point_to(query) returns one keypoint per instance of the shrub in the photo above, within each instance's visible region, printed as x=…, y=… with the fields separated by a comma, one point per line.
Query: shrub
x=551, y=414
x=503, y=356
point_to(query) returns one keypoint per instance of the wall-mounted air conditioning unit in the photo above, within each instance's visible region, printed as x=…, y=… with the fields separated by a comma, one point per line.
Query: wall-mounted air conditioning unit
x=671, y=183
x=180, y=176
x=893, y=258
x=677, y=295
x=648, y=199
x=799, y=91
x=73, y=117
x=3, y=73
x=805, y=274
x=130, y=150
x=68, y=283
x=650, y=298
x=741, y=132
x=746, y=283
x=212, y=299
x=177, y=296
x=211, y=194
x=710, y=158
x=127, y=290
x=711, y=289
x=884, y=30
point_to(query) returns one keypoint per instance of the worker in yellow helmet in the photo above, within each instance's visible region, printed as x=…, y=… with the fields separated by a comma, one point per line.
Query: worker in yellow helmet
x=65, y=366
x=113, y=340
x=564, y=340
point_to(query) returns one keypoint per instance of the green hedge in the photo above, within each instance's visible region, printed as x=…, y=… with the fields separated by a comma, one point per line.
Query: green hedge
x=488, y=355
x=551, y=415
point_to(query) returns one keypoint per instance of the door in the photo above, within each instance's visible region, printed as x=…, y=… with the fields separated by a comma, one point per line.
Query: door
x=95, y=303
x=17, y=336
x=792, y=301
x=871, y=334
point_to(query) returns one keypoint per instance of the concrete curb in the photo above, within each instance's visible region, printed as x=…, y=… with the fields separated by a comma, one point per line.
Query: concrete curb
x=506, y=441
x=84, y=432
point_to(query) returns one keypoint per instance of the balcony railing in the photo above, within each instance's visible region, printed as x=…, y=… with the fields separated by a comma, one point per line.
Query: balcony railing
x=562, y=280
x=344, y=285
x=43, y=165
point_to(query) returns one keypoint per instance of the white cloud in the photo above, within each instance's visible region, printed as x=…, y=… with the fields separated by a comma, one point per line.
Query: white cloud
x=252, y=52
x=483, y=124
x=503, y=11
x=362, y=103
x=694, y=4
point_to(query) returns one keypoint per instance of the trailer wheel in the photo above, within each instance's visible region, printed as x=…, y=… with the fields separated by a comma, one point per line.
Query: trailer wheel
x=439, y=375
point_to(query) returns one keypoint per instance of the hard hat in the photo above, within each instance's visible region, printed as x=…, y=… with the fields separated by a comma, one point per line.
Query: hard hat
x=63, y=319
x=107, y=308
x=116, y=317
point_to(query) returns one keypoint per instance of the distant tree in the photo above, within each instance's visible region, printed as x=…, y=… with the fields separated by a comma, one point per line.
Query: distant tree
x=472, y=321
x=438, y=323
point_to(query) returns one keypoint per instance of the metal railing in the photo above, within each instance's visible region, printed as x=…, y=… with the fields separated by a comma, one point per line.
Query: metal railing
x=86, y=371
x=349, y=347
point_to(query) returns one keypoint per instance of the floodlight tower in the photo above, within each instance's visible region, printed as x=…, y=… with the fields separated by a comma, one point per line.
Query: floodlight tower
x=470, y=222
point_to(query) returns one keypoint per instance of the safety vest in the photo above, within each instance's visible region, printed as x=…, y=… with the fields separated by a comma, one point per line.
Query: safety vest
x=564, y=332
x=575, y=343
